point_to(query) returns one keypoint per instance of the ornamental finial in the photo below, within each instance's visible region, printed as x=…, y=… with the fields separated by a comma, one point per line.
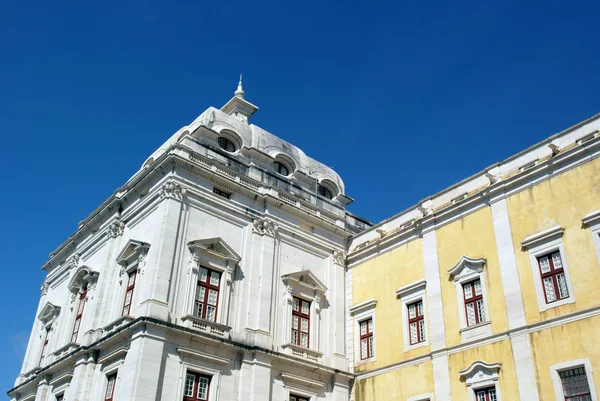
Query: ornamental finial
x=240, y=92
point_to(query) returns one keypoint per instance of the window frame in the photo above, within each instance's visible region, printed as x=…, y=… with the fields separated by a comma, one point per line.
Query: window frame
x=197, y=375
x=568, y=365
x=552, y=275
x=474, y=299
x=367, y=336
x=44, y=350
x=539, y=245
x=207, y=288
x=79, y=315
x=422, y=397
x=409, y=295
x=129, y=288
x=109, y=377
x=298, y=397
x=226, y=143
x=481, y=376
x=300, y=316
x=278, y=165
x=592, y=221
x=361, y=312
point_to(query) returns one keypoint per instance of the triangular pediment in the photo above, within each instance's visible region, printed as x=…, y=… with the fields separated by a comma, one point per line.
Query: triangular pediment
x=306, y=277
x=215, y=246
x=48, y=312
x=132, y=250
x=466, y=266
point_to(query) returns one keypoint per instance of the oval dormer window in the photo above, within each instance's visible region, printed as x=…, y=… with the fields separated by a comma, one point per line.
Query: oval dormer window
x=325, y=192
x=281, y=168
x=226, y=144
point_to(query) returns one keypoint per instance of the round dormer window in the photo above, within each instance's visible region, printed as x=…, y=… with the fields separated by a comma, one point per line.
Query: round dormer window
x=281, y=168
x=226, y=144
x=325, y=192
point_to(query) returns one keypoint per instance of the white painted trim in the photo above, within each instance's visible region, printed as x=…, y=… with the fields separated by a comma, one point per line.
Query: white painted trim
x=524, y=366
x=557, y=383
x=202, y=355
x=540, y=250
x=185, y=366
x=479, y=365
x=437, y=331
x=464, y=262
x=415, y=293
x=288, y=377
x=416, y=286
x=364, y=314
x=592, y=220
x=543, y=236
x=422, y=397
x=369, y=304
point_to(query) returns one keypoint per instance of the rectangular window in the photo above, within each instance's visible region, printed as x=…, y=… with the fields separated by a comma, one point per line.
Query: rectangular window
x=110, y=387
x=129, y=293
x=197, y=387
x=60, y=397
x=416, y=322
x=488, y=394
x=207, y=294
x=553, y=277
x=301, y=322
x=79, y=315
x=45, y=345
x=474, y=306
x=366, y=339
x=575, y=384
x=223, y=194
x=294, y=397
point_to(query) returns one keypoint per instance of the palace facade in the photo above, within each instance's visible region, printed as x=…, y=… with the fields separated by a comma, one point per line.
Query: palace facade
x=228, y=268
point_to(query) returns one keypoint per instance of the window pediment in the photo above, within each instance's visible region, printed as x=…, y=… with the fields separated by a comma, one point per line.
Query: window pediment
x=83, y=274
x=131, y=252
x=466, y=266
x=215, y=247
x=48, y=313
x=304, y=278
x=480, y=371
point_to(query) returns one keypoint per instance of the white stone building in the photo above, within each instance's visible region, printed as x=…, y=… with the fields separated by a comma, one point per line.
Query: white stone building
x=215, y=273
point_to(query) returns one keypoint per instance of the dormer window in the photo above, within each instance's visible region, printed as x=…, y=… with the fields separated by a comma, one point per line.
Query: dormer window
x=226, y=144
x=325, y=192
x=280, y=168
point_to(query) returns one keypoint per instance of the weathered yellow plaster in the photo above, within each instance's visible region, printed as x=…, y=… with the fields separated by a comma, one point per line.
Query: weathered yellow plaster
x=396, y=385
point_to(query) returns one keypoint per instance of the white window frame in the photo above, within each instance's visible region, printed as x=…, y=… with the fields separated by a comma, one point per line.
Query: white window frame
x=481, y=375
x=361, y=312
x=422, y=397
x=410, y=294
x=467, y=270
x=592, y=221
x=301, y=386
x=187, y=364
x=131, y=258
x=541, y=244
x=577, y=363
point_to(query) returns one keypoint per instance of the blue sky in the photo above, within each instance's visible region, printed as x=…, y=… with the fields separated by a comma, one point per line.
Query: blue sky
x=402, y=98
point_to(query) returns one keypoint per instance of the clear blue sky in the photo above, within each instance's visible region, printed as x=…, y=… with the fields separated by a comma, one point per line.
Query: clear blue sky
x=402, y=98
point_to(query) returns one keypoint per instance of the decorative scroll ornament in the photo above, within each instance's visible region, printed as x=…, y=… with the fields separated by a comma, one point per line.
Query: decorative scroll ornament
x=172, y=190
x=44, y=289
x=339, y=257
x=116, y=228
x=264, y=226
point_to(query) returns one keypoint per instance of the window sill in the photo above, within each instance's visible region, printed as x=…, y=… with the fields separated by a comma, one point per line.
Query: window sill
x=477, y=331
x=417, y=345
x=363, y=361
x=115, y=324
x=296, y=350
x=206, y=326
x=64, y=350
x=544, y=306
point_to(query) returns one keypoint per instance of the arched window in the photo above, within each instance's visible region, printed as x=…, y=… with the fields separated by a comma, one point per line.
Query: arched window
x=281, y=168
x=226, y=144
x=325, y=192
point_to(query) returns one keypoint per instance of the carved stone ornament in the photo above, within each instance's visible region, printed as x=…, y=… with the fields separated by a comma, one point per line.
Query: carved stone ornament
x=339, y=257
x=172, y=190
x=44, y=289
x=466, y=266
x=116, y=228
x=264, y=226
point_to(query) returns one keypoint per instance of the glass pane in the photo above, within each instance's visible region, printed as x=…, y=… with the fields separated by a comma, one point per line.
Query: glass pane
x=80, y=307
x=305, y=307
x=363, y=328
x=292, y=398
x=202, y=388
x=363, y=348
x=562, y=286
x=481, y=311
x=422, y=330
x=471, y=314
x=126, y=310
x=214, y=278
x=370, y=325
x=203, y=274
x=477, y=285
x=468, y=291
x=295, y=322
x=492, y=394
x=110, y=387
x=549, y=288
x=544, y=264
x=413, y=333
x=189, y=385
x=575, y=384
x=294, y=337
x=199, y=308
x=131, y=280
x=296, y=305
x=412, y=311
x=76, y=327
x=304, y=325
x=200, y=291
x=128, y=297
x=557, y=261
x=481, y=396
x=212, y=297
x=211, y=313
x=371, y=347
x=304, y=340
x=420, y=308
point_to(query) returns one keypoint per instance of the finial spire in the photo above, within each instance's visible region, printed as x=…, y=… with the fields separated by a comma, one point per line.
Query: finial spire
x=240, y=92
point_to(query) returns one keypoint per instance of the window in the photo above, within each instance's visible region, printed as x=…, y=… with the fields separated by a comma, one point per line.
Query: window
x=197, y=387
x=325, y=192
x=487, y=394
x=300, y=322
x=553, y=277
x=416, y=322
x=207, y=294
x=79, y=315
x=592, y=221
x=366, y=339
x=474, y=306
x=294, y=397
x=226, y=144
x=223, y=194
x=129, y=293
x=60, y=397
x=281, y=169
x=45, y=344
x=575, y=384
x=110, y=387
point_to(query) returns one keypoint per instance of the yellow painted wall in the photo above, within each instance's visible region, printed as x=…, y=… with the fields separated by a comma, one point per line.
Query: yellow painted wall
x=500, y=352
x=472, y=235
x=396, y=385
x=562, y=200
x=380, y=278
x=568, y=342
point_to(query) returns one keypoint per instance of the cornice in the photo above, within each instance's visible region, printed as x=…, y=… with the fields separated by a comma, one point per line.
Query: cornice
x=479, y=365
x=536, y=239
x=366, y=305
x=412, y=287
x=591, y=219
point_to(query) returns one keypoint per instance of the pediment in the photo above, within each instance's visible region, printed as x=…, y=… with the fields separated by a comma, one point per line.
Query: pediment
x=82, y=274
x=306, y=278
x=48, y=312
x=466, y=266
x=214, y=246
x=480, y=371
x=132, y=250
